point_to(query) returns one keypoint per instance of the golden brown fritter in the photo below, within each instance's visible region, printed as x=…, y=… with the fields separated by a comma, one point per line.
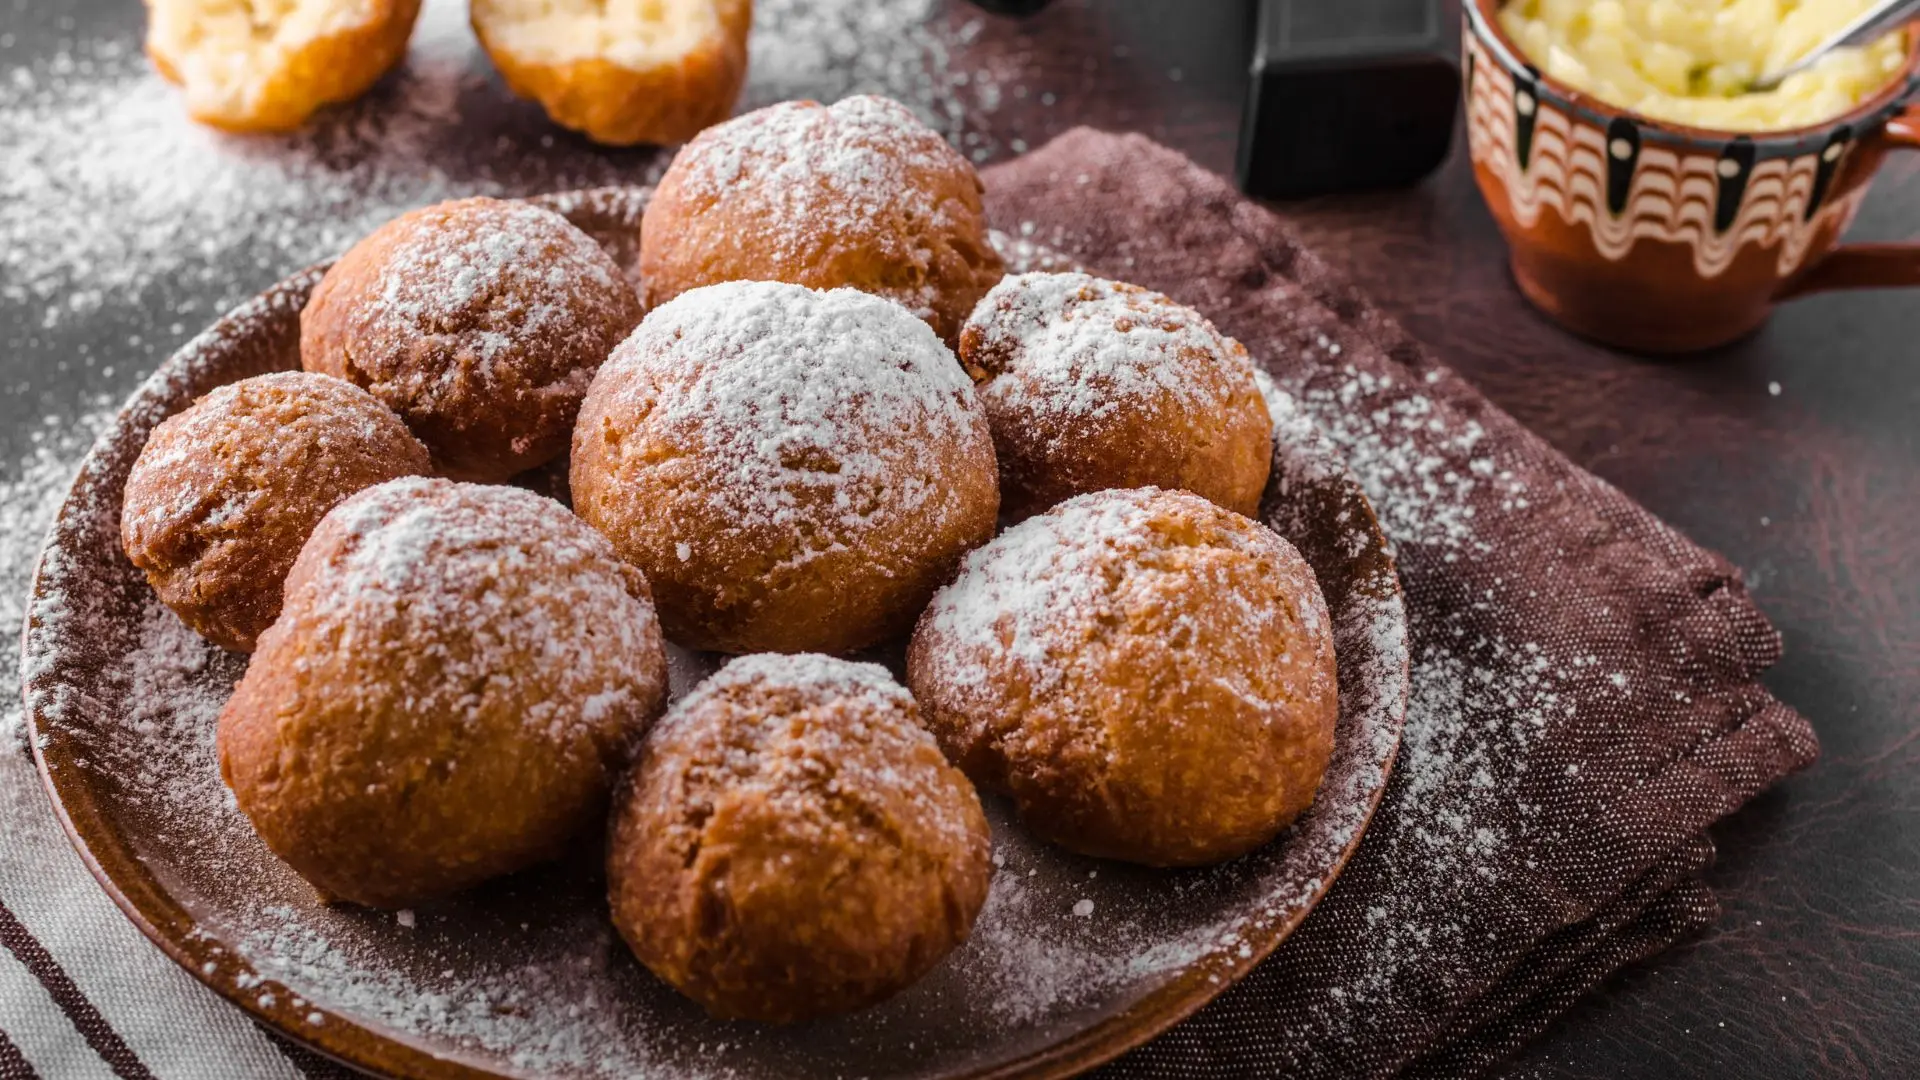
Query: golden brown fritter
x=793, y=845
x=621, y=73
x=1093, y=384
x=253, y=67
x=858, y=194
x=1149, y=676
x=225, y=493
x=480, y=322
x=794, y=470
x=457, y=676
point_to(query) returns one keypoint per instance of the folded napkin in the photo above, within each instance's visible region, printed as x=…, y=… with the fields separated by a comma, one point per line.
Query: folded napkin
x=1585, y=679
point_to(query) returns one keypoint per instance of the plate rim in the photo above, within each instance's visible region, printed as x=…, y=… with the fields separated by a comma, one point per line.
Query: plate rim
x=110, y=857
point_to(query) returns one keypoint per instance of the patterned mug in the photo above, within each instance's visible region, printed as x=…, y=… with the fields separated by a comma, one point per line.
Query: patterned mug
x=1664, y=238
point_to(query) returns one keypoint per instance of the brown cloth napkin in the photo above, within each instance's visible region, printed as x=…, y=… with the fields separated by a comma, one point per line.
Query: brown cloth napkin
x=1585, y=696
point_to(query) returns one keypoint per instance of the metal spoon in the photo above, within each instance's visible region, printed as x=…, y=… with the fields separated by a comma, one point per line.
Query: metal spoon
x=1882, y=17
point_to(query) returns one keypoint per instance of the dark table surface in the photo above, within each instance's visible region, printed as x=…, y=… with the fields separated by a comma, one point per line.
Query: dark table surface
x=1796, y=452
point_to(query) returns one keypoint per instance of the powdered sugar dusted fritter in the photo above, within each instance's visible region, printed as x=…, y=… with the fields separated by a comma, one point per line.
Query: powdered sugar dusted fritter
x=859, y=194
x=793, y=844
x=457, y=675
x=1093, y=384
x=794, y=470
x=224, y=494
x=1150, y=677
x=480, y=321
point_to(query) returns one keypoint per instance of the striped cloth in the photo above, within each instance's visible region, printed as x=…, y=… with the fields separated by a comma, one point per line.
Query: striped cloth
x=83, y=995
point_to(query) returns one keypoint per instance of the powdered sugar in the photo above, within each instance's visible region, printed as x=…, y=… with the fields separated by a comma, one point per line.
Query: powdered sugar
x=29, y=498
x=860, y=149
x=831, y=745
x=215, y=540
x=1481, y=694
x=1297, y=439
x=810, y=181
x=1419, y=467
x=864, y=692
x=1025, y=593
x=476, y=582
x=1027, y=604
x=1463, y=754
x=1032, y=977
x=176, y=684
x=1032, y=600
x=906, y=50
x=868, y=684
x=508, y=1009
x=792, y=394
x=110, y=196
x=1056, y=345
x=509, y=255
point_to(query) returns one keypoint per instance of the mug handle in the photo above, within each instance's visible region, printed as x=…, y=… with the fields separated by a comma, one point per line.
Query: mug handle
x=1869, y=266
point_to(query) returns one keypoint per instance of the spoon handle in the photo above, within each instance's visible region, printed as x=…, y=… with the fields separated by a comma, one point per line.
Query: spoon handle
x=1871, y=25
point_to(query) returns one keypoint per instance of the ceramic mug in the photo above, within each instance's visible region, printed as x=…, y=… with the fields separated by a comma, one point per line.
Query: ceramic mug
x=1665, y=238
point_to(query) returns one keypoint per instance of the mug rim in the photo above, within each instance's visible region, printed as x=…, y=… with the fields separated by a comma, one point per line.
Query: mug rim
x=1486, y=19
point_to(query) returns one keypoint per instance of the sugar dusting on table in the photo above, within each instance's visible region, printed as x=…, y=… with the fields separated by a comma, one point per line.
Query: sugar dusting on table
x=110, y=196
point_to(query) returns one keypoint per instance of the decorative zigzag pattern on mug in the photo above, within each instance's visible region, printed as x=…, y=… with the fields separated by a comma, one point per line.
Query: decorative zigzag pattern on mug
x=1623, y=191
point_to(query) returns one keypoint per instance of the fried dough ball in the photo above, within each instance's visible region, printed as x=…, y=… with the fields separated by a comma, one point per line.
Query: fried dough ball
x=621, y=73
x=268, y=65
x=793, y=845
x=796, y=471
x=1148, y=676
x=1093, y=384
x=225, y=492
x=480, y=322
x=858, y=194
x=458, y=674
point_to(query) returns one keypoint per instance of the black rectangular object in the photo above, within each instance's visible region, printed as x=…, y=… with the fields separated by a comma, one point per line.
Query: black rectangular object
x=1346, y=95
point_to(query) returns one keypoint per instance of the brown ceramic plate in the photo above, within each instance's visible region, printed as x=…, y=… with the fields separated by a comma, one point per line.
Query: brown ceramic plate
x=1073, y=960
